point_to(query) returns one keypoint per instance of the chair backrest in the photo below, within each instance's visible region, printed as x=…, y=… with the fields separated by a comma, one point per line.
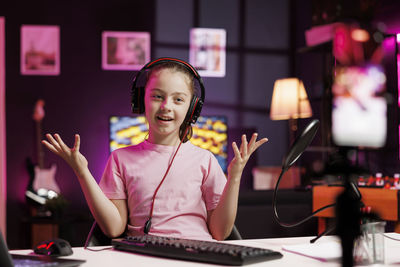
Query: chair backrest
x=235, y=235
x=96, y=237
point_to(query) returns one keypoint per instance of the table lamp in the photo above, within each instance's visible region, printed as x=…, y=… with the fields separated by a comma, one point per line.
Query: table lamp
x=290, y=102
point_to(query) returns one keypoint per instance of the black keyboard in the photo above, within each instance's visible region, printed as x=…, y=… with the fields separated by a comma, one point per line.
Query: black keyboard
x=194, y=250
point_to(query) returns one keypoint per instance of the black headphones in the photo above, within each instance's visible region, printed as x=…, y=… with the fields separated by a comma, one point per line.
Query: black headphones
x=137, y=92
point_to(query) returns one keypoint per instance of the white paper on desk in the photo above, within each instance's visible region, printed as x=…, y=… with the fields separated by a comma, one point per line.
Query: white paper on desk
x=324, y=251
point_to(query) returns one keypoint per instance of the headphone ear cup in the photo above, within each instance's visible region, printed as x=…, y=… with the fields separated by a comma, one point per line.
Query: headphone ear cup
x=194, y=110
x=197, y=110
x=138, y=100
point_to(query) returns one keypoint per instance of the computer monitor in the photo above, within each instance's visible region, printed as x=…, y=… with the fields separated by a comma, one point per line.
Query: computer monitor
x=209, y=132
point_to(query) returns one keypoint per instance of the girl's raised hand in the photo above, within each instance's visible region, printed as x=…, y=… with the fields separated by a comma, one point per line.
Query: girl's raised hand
x=243, y=154
x=71, y=155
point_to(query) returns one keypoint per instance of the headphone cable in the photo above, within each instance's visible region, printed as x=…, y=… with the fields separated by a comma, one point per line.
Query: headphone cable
x=147, y=224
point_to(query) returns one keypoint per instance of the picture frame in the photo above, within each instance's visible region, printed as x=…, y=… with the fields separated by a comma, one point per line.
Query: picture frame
x=40, y=50
x=208, y=51
x=125, y=50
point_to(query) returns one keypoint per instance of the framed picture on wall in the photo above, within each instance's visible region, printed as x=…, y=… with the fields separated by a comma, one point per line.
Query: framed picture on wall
x=40, y=50
x=208, y=51
x=125, y=50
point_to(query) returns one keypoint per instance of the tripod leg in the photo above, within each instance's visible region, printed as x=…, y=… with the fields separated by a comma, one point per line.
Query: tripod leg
x=327, y=231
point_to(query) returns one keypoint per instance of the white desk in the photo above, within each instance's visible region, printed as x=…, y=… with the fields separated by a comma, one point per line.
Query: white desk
x=112, y=257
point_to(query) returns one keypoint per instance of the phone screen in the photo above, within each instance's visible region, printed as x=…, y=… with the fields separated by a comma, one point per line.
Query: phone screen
x=359, y=109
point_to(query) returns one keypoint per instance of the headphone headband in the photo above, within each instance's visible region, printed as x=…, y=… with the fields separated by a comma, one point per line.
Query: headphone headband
x=170, y=59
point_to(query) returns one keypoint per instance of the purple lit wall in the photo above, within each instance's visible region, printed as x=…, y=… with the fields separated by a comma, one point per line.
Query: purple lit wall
x=398, y=79
x=83, y=97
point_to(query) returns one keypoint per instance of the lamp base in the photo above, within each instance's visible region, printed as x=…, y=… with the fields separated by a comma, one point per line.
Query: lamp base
x=293, y=126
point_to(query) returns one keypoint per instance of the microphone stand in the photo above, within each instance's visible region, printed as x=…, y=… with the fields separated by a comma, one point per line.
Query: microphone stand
x=348, y=217
x=326, y=232
x=357, y=195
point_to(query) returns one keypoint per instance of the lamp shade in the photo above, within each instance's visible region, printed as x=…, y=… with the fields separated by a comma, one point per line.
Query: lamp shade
x=289, y=100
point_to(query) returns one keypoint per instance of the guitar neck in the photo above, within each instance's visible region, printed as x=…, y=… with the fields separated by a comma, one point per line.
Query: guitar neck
x=39, y=147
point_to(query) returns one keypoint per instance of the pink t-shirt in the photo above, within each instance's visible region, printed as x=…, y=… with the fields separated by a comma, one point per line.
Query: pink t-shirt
x=193, y=185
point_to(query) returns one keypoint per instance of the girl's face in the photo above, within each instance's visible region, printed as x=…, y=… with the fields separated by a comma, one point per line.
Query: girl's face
x=167, y=99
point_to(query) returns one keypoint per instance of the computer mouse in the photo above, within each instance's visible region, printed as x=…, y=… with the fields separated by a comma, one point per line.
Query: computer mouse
x=54, y=247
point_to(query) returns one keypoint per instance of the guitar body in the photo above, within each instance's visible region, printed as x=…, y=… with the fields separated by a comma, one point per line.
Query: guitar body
x=45, y=178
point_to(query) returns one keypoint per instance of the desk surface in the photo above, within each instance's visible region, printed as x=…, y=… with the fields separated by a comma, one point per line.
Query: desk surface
x=112, y=257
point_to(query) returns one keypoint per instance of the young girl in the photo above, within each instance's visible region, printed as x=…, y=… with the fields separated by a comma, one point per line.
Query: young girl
x=164, y=185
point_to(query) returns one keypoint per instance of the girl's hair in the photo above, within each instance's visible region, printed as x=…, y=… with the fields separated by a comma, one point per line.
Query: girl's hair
x=185, y=130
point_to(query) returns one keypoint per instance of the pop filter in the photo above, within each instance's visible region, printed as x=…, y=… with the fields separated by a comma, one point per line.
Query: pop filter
x=300, y=144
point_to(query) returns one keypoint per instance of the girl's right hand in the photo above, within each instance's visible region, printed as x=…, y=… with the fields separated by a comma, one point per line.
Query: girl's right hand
x=71, y=155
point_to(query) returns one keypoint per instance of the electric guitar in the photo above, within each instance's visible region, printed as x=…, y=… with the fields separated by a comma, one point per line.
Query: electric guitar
x=42, y=180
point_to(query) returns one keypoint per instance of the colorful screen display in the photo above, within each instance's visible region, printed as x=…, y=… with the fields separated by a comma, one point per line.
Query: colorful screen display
x=209, y=132
x=359, y=106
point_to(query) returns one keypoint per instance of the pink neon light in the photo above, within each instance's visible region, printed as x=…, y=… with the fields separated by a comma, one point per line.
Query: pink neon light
x=398, y=79
x=3, y=163
x=398, y=82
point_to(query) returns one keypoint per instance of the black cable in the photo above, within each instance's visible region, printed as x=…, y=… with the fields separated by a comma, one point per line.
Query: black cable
x=97, y=250
x=276, y=216
x=89, y=235
x=86, y=246
x=389, y=237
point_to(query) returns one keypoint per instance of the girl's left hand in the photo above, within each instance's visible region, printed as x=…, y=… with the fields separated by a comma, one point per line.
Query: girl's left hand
x=243, y=154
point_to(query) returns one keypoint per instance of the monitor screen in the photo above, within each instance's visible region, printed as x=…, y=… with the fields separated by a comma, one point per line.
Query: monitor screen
x=209, y=132
x=359, y=109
